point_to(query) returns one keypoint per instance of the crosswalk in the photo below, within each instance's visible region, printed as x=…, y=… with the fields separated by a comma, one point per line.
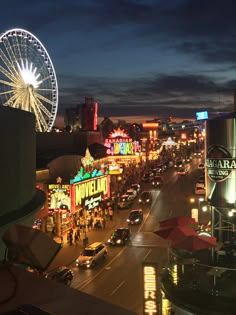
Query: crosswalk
x=147, y=239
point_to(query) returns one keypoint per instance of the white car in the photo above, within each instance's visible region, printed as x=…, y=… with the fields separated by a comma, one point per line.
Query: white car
x=91, y=255
x=136, y=187
x=200, y=190
x=132, y=193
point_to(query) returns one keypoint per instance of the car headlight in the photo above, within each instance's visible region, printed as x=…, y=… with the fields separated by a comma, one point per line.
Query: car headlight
x=118, y=241
x=128, y=220
x=140, y=200
x=88, y=261
x=148, y=200
x=137, y=220
x=109, y=241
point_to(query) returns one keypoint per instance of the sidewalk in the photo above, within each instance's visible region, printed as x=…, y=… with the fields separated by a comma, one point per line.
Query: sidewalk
x=69, y=253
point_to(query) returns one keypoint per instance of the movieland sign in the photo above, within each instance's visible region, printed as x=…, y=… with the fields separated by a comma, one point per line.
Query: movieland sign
x=89, y=188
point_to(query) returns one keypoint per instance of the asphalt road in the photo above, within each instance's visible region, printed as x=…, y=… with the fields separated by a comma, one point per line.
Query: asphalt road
x=118, y=279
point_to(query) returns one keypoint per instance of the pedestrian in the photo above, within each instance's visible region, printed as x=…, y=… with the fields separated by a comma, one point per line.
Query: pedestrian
x=106, y=213
x=71, y=238
x=78, y=233
x=76, y=238
x=110, y=211
x=104, y=223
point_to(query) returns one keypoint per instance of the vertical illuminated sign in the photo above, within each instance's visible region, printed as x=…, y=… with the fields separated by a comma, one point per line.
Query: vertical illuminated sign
x=150, y=289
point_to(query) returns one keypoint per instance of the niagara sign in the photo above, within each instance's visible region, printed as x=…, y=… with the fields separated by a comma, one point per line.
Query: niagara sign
x=219, y=163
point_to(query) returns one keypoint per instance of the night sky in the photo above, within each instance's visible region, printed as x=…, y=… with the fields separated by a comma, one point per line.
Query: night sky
x=152, y=58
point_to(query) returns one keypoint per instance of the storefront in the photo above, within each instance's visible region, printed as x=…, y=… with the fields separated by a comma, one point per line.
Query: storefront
x=60, y=218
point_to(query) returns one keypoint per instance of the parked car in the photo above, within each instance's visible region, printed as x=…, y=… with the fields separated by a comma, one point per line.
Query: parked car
x=119, y=237
x=62, y=274
x=157, y=182
x=147, y=177
x=135, y=216
x=136, y=187
x=91, y=255
x=145, y=197
x=132, y=193
x=157, y=171
x=125, y=202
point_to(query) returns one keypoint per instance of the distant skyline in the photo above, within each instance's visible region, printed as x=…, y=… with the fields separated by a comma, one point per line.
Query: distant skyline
x=136, y=58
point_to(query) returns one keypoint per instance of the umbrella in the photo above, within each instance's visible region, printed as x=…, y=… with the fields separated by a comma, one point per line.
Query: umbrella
x=194, y=242
x=177, y=232
x=176, y=221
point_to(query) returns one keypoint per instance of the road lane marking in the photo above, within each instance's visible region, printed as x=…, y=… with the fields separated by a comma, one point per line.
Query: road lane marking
x=147, y=254
x=117, y=288
x=107, y=266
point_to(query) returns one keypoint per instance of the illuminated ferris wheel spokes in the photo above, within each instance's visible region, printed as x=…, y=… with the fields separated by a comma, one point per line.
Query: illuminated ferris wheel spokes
x=27, y=77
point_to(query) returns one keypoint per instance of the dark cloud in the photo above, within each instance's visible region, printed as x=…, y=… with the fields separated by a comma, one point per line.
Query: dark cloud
x=201, y=31
x=163, y=95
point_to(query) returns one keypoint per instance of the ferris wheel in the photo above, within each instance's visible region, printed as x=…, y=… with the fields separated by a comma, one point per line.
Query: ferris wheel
x=27, y=77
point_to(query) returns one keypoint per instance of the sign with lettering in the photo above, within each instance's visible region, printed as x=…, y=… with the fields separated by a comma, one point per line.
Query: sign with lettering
x=219, y=163
x=150, y=289
x=59, y=197
x=90, y=192
x=120, y=143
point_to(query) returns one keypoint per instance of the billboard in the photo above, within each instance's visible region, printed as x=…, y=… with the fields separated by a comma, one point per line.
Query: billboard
x=201, y=115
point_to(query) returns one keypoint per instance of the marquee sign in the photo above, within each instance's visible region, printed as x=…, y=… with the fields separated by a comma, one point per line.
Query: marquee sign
x=219, y=163
x=90, y=192
x=120, y=143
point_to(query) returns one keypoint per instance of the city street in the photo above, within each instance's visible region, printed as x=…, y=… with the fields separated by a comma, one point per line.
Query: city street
x=120, y=275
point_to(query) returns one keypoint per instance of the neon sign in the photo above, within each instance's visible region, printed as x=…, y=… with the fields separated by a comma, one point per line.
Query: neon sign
x=119, y=143
x=85, y=175
x=150, y=305
x=89, y=188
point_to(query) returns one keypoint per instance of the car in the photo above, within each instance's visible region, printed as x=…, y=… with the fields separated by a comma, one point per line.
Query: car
x=197, y=153
x=132, y=193
x=200, y=181
x=188, y=158
x=182, y=171
x=200, y=190
x=62, y=274
x=125, y=202
x=91, y=255
x=135, y=216
x=201, y=185
x=157, y=181
x=201, y=166
x=136, y=187
x=119, y=237
x=157, y=171
x=178, y=164
x=145, y=198
x=147, y=177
